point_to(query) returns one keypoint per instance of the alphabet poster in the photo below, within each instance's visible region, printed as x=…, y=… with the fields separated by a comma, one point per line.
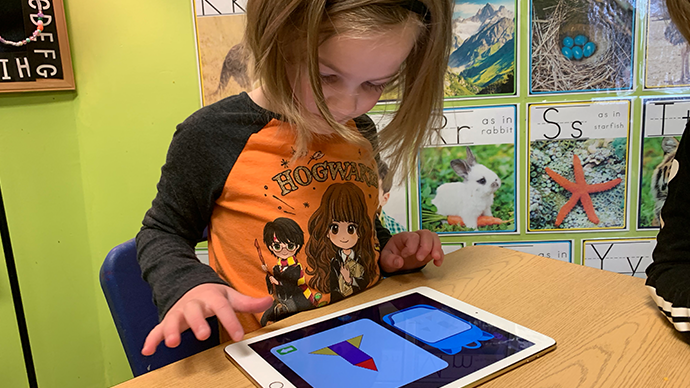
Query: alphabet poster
x=667, y=60
x=578, y=163
x=605, y=124
x=559, y=250
x=625, y=256
x=223, y=62
x=482, y=59
x=581, y=45
x=467, y=174
x=662, y=126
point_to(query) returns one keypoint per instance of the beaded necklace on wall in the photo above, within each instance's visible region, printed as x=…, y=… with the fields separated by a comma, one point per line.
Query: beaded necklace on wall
x=34, y=35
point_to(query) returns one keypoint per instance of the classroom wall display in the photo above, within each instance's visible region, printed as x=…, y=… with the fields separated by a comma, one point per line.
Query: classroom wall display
x=625, y=256
x=467, y=173
x=597, y=123
x=667, y=56
x=662, y=127
x=40, y=57
x=581, y=45
x=559, y=250
x=224, y=67
x=450, y=248
x=578, y=163
x=482, y=59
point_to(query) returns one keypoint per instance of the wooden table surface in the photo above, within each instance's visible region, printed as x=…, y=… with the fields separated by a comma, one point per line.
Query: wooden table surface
x=609, y=332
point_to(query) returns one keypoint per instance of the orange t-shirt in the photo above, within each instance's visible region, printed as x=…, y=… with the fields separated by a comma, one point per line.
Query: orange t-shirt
x=301, y=231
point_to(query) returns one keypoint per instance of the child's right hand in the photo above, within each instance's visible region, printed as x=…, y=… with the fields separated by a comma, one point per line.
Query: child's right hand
x=195, y=306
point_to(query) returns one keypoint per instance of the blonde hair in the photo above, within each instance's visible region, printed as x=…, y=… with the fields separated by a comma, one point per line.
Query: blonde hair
x=680, y=15
x=283, y=32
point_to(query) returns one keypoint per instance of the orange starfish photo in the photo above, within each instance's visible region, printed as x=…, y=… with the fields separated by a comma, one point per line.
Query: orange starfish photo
x=580, y=191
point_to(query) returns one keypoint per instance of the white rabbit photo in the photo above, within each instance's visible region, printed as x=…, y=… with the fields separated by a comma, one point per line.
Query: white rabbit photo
x=471, y=198
x=458, y=189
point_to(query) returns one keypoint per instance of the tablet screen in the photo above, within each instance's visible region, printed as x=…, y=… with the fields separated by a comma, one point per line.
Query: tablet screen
x=411, y=341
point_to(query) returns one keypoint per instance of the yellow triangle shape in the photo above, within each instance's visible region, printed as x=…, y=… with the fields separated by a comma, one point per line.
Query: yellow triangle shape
x=356, y=341
x=327, y=351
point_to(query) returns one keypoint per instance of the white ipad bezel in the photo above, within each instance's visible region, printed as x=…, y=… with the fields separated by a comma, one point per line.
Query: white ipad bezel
x=264, y=375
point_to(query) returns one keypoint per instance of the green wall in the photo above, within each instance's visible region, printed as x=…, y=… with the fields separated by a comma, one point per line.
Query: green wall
x=78, y=171
x=11, y=358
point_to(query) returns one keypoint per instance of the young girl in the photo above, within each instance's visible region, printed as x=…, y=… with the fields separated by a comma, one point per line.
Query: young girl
x=246, y=160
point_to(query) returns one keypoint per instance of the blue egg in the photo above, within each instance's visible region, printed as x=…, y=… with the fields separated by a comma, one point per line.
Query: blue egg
x=568, y=53
x=577, y=52
x=580, y=40
x=589, y=49
x=568, y=42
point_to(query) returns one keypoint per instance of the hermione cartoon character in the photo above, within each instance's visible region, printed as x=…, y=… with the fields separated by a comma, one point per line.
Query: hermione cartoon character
x=284, y=239
x=340, y=250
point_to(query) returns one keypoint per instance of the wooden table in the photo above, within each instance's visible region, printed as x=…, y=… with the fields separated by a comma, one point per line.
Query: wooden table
x=609, y=332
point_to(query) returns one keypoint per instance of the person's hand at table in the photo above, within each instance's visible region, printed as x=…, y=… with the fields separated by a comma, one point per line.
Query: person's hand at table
x=199, y=303
x=409, y=250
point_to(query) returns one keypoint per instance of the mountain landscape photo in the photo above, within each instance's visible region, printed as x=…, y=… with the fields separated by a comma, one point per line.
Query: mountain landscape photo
x=482, y=60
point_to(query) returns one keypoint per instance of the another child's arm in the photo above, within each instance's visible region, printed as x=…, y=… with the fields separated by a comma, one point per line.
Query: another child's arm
x=410, y=250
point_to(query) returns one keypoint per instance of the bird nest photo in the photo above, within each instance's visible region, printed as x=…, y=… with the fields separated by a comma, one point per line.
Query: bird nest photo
x=581, y=45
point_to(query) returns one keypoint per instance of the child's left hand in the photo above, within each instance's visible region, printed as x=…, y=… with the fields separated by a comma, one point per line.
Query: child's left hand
x=408, y=250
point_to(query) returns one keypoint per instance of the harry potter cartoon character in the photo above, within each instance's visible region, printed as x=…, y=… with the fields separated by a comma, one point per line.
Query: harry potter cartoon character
x=340, y=250
x=284, y=239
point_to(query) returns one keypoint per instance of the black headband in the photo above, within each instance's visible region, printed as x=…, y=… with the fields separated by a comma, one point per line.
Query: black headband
x=417, y=7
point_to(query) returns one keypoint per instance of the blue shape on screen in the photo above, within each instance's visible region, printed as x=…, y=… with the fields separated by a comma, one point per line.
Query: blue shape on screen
x=398, y=361
x=437, y=328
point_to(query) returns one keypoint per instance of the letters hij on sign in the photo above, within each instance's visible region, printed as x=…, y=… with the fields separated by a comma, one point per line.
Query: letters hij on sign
x=578, y=165
x=43, y=63
x=662, y=127
x=467, y=173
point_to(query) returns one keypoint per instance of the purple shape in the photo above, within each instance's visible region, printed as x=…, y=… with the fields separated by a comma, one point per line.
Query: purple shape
x=349, y=352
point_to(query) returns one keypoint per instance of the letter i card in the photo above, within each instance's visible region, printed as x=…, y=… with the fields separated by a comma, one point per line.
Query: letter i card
x=466, y=174
x=578, y=165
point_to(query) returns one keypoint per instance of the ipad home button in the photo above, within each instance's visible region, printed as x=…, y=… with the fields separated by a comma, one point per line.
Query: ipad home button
x=275, y=384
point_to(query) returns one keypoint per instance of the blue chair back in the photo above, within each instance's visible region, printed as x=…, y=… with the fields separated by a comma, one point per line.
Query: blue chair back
x=131, y=305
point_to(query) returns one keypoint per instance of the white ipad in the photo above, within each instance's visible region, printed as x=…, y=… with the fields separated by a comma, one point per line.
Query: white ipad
x=417, y=338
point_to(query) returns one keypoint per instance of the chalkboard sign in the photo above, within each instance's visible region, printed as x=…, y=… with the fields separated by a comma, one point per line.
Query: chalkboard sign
x=43, y=64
